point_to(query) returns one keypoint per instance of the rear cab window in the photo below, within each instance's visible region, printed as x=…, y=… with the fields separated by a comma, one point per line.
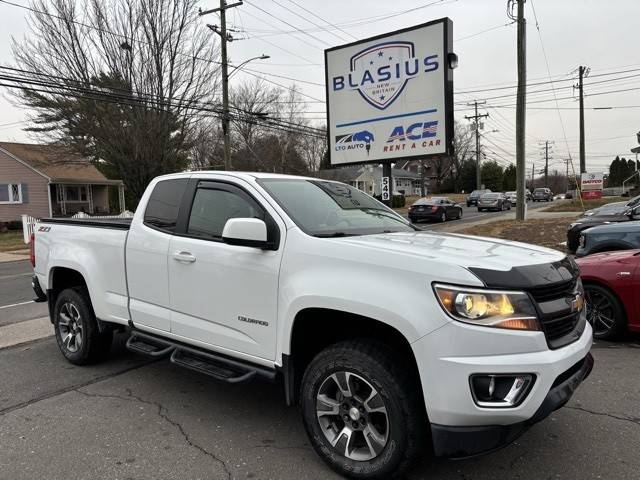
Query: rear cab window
x=164, y=204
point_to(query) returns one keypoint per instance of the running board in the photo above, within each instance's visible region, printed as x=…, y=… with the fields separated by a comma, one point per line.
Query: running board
x=149, y=346
x=217, y=366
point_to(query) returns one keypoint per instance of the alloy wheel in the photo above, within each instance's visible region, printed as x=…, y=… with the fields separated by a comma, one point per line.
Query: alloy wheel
x=600, y=312
x=70, y=327
x=352, y=415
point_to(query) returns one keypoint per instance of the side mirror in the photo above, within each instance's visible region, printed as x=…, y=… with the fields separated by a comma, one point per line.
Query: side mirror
x=246, y=232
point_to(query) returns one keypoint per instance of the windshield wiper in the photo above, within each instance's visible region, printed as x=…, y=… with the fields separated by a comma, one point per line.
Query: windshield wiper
x=331, y=235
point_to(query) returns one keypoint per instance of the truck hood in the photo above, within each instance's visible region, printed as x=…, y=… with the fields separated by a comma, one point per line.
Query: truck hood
x=620, y=227
x=466, y=251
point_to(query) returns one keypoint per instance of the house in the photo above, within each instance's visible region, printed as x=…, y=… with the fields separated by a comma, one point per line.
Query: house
x=368, y=178
x=48, y=181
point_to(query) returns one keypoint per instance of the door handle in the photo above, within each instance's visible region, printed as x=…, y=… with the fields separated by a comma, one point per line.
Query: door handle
x=185, y=257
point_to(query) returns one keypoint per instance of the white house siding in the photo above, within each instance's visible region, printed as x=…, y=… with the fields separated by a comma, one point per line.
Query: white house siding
x=36, y=202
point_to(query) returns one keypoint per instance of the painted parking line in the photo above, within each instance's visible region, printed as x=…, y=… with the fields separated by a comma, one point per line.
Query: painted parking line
x=17, y=275
x=16, y=304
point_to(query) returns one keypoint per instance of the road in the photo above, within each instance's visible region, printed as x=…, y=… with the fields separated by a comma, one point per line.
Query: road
x=471, y=214
x=131, y=418
x=16, y=294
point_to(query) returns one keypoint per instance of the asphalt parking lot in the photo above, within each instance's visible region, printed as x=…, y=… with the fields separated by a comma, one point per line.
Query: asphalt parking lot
x=129, y=418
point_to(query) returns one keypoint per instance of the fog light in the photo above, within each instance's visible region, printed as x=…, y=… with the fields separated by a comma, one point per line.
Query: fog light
x=500, y=391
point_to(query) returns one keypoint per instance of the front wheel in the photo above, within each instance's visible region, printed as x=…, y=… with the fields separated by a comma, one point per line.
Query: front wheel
x=361, y=410
x=76, y=328
x=443, y=217
x=605, y=313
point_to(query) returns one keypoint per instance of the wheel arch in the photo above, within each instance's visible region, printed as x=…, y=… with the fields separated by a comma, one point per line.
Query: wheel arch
x=314, y=329
x=61, y=278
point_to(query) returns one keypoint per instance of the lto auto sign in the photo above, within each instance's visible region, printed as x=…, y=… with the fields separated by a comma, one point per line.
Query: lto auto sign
x=591, y=185
x=391, y=97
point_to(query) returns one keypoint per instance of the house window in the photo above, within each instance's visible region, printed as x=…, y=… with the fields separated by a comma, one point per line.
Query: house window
x=10, y=193
x=75, y=193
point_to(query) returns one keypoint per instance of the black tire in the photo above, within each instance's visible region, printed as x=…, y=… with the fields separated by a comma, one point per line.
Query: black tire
x=397, y=392
x=460, y=214
x=92, y=346
x=443, y=217
x=610, y=320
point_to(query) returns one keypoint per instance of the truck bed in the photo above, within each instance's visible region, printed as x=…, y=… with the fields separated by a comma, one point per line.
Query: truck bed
x=120, y=223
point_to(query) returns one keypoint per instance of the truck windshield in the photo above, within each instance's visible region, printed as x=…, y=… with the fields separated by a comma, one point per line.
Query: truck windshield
x=332, y=209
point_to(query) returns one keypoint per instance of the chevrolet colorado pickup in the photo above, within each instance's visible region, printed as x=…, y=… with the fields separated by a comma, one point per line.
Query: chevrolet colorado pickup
x=395, y=342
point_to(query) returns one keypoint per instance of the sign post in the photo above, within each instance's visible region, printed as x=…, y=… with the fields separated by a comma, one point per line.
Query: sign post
x=591, y=185
x=387, y=185
x=390, y=97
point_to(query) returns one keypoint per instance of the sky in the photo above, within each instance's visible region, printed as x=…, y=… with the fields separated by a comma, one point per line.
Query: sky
x=294, y=33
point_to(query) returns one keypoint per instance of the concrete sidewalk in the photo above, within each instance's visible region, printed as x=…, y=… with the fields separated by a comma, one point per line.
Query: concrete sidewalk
x=23, y=332
x=14, y=255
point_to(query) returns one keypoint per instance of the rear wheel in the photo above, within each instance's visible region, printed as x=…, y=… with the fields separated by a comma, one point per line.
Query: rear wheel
x=361, y=410
x=605, y=313
x=76, y=328
x=460, y=214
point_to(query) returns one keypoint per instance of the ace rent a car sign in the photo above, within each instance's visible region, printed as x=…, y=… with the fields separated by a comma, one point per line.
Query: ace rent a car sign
x=391, y=96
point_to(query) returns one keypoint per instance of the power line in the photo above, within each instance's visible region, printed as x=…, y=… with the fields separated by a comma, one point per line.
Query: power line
x=324, y=20
x=317, y=39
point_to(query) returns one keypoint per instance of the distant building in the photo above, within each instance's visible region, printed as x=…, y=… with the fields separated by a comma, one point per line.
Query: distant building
x=47, y=180
x=368, y=178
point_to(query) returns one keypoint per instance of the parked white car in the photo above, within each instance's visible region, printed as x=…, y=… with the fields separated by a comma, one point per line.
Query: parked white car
x=390, y=338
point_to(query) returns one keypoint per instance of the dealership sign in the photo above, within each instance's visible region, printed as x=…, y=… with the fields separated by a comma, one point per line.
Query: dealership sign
x=391, y=96
x=591, y=185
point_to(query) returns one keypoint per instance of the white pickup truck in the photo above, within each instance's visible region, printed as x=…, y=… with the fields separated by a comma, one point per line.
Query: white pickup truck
x=395, y=342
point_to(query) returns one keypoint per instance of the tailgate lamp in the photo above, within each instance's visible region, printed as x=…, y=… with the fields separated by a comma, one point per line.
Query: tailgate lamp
x=32, y=250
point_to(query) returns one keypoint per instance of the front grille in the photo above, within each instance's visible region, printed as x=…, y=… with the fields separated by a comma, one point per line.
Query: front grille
x=557, y=327
x=553, y=291
x=560, y=323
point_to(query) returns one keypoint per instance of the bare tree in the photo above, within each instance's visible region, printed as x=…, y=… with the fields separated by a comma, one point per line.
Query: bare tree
x=463, y=151
x=139, y=72
x=312, y=148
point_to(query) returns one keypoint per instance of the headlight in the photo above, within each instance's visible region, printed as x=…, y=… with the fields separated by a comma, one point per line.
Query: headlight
x=488, y=308
x=582, y=241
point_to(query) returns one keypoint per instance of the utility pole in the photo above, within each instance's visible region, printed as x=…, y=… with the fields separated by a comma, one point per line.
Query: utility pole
x=566, y=161
x=582, y=72
x=224, y=38
x=477, y=124
x=546, y=162
x=533, y=172
x=521, y=203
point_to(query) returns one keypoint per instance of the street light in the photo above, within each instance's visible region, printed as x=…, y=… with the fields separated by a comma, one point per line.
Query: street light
x=238, y=67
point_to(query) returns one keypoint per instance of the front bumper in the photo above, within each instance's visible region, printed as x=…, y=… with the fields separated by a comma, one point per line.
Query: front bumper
x=461, y=442
x=450, y=355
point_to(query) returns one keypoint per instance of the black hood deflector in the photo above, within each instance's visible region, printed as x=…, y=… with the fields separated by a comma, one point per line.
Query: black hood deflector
x=529, y=276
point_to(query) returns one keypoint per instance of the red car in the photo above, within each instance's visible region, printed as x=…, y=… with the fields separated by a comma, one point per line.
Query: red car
x=611, y=283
